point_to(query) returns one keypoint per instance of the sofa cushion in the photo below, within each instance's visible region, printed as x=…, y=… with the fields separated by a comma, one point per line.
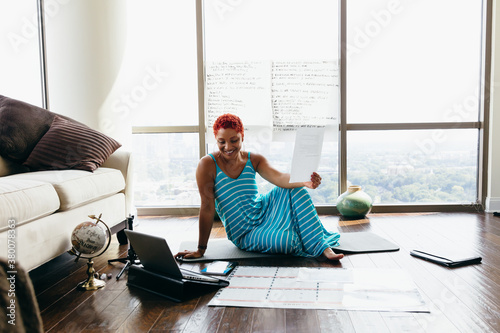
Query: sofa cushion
x=68, y=145
x=21, y=127
x=77, y=187
x=24, y=200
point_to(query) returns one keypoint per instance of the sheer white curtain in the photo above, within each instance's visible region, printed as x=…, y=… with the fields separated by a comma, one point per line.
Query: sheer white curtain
x=85, y=48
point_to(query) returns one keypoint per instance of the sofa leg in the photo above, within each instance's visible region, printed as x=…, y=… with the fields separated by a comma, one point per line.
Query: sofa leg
x=131, y=258
x=129, y=224
x=122, y=238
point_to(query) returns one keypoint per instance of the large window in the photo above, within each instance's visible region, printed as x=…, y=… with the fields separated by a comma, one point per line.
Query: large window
x=399, y=85
x=399, y=90
x=159, y=75
x=413, y=99
x=278, y=73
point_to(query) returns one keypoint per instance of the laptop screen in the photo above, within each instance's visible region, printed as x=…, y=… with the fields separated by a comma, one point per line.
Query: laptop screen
x=154, y=253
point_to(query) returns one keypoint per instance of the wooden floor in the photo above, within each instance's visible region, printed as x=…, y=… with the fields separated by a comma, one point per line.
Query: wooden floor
x=465, y=299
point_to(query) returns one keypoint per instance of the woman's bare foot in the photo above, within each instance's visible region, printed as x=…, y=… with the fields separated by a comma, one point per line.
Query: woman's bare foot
x=330, y=255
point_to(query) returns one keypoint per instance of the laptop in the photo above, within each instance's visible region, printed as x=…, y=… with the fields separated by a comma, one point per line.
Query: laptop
x=155, y=255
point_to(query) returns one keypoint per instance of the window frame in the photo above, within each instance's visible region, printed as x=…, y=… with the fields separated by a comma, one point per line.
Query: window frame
x=344, y=127
x=43, y=54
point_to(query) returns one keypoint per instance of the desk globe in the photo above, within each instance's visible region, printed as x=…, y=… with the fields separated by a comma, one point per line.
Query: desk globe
x=90, y=240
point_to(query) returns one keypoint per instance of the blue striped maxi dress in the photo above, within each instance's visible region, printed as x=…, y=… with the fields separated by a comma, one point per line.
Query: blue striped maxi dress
x=280, y=221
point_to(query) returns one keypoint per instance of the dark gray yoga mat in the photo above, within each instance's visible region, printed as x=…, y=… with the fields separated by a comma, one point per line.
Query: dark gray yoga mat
x=364, y=242
x=350, y=242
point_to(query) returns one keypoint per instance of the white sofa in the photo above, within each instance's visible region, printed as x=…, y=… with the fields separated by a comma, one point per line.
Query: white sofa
x=41, y=204
x=44, y=207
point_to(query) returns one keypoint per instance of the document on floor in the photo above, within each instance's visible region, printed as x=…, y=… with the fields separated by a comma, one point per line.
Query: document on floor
x=321, y=288
x=306, y=153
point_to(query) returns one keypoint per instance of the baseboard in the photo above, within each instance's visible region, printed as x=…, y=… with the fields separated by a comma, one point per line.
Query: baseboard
x=492, y=204
x=162, y=211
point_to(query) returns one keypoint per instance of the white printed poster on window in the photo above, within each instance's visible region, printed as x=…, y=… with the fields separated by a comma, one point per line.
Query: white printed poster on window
x=304, y=94
x=240, y=88
x=280, y=96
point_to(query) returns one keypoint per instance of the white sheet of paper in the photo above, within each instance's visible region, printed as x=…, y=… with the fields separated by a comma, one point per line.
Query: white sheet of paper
x=307, y=153
x=323, y=275
x=376, y=289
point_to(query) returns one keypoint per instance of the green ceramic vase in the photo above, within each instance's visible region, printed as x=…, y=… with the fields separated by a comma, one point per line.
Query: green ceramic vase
x=354, y=203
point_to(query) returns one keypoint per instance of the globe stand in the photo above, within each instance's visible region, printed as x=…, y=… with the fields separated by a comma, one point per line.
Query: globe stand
x=91, y=283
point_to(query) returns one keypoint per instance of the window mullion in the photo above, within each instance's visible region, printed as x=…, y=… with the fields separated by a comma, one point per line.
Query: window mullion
x=343, y=98
x=42, y=53
x=200, y=58
x=412, y=126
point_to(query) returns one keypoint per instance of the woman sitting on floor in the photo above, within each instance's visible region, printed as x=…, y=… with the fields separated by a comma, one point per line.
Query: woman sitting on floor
x=283, y=220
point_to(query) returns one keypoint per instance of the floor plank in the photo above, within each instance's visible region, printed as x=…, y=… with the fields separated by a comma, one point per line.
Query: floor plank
x=301, y=320
x=269, y=320
x=204, y=318
x=236, y=320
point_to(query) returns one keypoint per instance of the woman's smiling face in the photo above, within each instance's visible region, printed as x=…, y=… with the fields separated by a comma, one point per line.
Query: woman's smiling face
x=229, y=142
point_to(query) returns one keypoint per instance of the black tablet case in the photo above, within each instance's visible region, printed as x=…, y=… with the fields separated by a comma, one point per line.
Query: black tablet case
x=448, y=262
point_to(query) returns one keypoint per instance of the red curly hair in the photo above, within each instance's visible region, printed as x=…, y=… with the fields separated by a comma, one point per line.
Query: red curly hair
x=229, y=121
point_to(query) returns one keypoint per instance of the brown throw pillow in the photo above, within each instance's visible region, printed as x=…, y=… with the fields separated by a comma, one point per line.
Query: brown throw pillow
x=21, y=127
x=68, y=145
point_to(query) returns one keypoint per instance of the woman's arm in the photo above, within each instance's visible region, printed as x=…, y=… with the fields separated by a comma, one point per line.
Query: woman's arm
x=278, y=178
x=205, y=177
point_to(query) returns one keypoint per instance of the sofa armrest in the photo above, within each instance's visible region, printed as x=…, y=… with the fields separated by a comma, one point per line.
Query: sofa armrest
x=123, y=161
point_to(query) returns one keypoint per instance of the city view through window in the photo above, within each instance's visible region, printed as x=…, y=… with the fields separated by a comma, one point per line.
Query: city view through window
x=396, y=173
x=392, y=77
